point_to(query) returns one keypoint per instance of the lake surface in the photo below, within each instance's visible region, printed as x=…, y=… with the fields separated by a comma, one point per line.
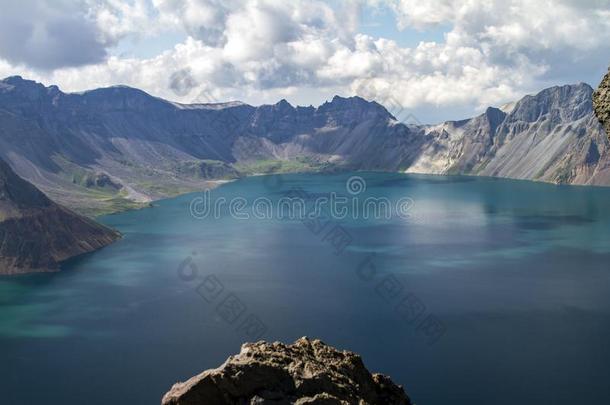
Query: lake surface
x=486, y=292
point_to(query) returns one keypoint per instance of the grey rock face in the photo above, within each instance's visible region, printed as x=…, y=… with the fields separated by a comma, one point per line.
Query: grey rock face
x=306, y=372
x=601, y=102
x=552, y=136
x=36, y=234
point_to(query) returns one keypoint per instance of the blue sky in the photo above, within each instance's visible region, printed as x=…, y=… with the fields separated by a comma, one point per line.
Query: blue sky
x=380, y=22
x=440, y=59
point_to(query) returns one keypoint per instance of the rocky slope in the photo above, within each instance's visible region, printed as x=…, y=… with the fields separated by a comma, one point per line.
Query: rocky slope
x=151, y=148
x=601, y=102
x=306, y=372
x=36, y=234
x=552, y=136
x=109, y=149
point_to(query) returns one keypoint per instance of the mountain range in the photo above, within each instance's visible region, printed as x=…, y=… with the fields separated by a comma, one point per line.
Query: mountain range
x=115, y=148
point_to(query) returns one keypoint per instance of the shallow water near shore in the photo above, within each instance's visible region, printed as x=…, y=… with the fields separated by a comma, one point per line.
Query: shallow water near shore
x=488, y=291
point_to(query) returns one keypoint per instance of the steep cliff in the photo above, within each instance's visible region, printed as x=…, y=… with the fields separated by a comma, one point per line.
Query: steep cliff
x=601, y=102
x=36, y=234
x=306, y=372
x=552, y=136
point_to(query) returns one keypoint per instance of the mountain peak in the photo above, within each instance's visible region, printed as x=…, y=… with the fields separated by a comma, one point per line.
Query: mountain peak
x=568, y=102
x=283, y=104
x=124, y=97
x=116, y=89
x=20, y=82
x=355, y=103
x=351, y=99
x=568, y=90
x=13, y=79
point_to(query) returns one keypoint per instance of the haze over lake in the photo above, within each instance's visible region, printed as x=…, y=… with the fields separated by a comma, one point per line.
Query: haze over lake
x=516, y=275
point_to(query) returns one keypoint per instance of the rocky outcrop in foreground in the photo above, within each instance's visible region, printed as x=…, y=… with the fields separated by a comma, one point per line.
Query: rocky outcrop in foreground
x=601, y=102
x=36, y=234
x=306, y=372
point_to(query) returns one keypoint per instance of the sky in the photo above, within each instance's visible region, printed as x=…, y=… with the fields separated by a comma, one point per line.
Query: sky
x=426, y=61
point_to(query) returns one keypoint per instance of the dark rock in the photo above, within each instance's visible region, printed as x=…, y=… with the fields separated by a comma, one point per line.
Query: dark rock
x=601, y=102
x=36, y=234
x=306, y=372
x=101, y=180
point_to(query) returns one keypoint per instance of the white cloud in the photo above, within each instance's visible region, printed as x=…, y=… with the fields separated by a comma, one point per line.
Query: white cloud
x=49, y=36
x=260, y=50
x=204, y=20
x=116, y=19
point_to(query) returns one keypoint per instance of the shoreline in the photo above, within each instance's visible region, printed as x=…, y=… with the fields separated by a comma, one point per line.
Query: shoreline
x=219, y=183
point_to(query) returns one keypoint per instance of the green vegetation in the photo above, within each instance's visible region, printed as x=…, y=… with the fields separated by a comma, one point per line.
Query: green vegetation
x=269, y=166
x=101, y=202
x=206, y=169
x=165, y=189
x=104, y=196
x=113, y=206
x=563, y=175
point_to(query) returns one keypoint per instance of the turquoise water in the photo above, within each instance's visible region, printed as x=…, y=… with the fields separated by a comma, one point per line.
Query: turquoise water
x=488, y=292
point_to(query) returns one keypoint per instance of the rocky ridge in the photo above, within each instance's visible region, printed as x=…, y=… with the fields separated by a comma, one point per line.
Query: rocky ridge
x=601, y=102
x=37, y=234
x=306, y=372
x=552, y=136
x=114, y=148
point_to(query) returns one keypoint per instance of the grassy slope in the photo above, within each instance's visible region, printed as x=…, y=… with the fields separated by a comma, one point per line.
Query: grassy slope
x=165, y=181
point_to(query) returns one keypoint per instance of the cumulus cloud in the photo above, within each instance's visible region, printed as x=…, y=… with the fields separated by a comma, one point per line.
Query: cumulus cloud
x=513, y=45
x=117, y=19
x=49, y=35
x=259, y=50
x=201, y=19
